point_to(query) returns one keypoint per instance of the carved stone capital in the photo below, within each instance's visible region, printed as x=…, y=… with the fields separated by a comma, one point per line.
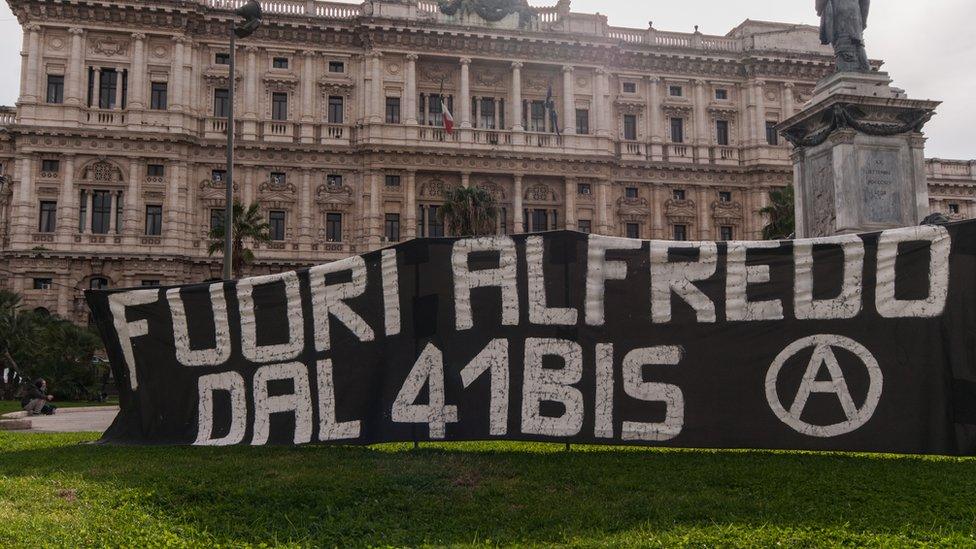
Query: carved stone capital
x=251, y=49
x=789, y=85
x=32, y=27
x=412, y=57
x=517, y=65
x=308, y=53
x=77, y=31
x=568, y=69
x=137, y=36
x=180, y=39
x=465, y=61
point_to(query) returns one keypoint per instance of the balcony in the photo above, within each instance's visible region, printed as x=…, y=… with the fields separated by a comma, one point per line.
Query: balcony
x=105, y=117
x=724, y=155
x=280, y=131
x=678, y=152
x=632, y=150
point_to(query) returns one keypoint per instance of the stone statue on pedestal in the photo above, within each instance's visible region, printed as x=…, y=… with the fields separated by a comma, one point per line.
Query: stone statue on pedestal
x=842, y=24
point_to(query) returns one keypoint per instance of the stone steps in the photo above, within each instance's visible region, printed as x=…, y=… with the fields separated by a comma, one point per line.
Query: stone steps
x=15, y=421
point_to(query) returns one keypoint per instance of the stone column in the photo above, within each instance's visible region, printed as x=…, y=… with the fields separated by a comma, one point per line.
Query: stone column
x=247, y=189
x=760, y=122
x=410, y=92
x=375, y=217
x=130, y=215
x=465, y=92
x=305, y=221
x=68, y=197
x=75, y=69
x=97, y=89
x=137, y=99
x=600, y=90
x=171, y=204
x=118, y=89
x=89, y=210
x=569, y=101
x=498, y=114
x=705, y=214
x=411, y=214
x=176, y=78
x=308, y=86
x=788, y=103
x=376, y=103
x=701, y=127
x=251, y=84
x=308, y=94
x=570, y=203
x=655, y=119
x=113, y=208
x=465, y=179
x=517, y=204
x=603, y=225
x=517, y=100
x=25, y=200
x=660, y=195
x=33, y=61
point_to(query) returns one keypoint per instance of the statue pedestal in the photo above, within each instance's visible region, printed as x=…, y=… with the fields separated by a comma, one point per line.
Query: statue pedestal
x=859, y=158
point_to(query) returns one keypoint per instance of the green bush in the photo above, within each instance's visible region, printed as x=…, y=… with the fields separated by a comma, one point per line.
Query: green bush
x=39, y=345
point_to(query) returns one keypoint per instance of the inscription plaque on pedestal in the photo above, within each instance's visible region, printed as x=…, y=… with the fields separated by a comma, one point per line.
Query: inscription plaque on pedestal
x=881, y=200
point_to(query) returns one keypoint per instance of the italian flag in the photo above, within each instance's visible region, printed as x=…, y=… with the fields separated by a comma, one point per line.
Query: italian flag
x=448, y=117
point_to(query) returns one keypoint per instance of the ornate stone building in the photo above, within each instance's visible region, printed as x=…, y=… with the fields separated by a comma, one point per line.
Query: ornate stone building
x=114, y=153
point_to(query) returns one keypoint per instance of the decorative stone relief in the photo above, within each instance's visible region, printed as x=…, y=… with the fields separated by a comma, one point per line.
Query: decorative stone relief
x=108, y=46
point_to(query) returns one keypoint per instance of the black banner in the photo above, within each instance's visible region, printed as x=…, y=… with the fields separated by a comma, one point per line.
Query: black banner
x=858, y=342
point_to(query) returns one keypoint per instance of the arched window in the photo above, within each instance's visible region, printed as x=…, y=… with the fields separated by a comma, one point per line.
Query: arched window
x=41, y=311
x=98, y=283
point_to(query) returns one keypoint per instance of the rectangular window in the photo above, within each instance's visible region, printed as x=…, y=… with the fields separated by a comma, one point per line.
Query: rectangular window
x=392, y=228
x=277, y=179
x=772, y=137
x=279, y=63
x=335, y=109
x=216, y=219
x=150, y=283
x=393, y=181
x=91, y=86
x=337, y=66
x=158, y=101
x=279, y=106
x=724, y=196
x=679, y=194
x=333, y=181
x=681, y=232
x=953, y=208
x=584, y=226
x=421, y=221
x=392, y=110
x=154, y=220
x=48, y=217
x=722, y=132
x=155, y=170
x=108, y=83
x=677, y=130
x=55, y=88
x=487, y=120
x=721, y=94
x=43, y=283
x=538, y=119
x=435, y=227
x=633, y=230
x=222, y=58
x=218, y=176
x=584, y=189
x=504, y=220
x=50, y=166
x=540, y=221
x=101, y=212
x=630, y=127
x=631, y=192
x=676, y=91
x=630, y=87
x=333, y=227
x=221, y=103
x=583, y=121
x=276, y=219
x=727, y=234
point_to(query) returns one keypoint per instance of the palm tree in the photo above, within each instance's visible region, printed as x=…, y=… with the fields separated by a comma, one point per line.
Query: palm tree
x=248, y=225
x=781, y=214
x=469, y=211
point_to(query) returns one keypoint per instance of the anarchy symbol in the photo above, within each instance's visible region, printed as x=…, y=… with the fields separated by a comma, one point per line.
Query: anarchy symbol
x=823, y=355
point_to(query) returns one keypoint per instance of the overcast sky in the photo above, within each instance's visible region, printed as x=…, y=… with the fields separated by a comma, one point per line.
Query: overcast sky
x=929, y=48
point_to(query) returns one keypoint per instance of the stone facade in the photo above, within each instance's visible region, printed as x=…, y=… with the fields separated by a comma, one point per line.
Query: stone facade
x=113, y=155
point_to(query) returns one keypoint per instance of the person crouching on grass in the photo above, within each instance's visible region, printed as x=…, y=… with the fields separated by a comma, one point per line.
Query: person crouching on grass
x=37, y=399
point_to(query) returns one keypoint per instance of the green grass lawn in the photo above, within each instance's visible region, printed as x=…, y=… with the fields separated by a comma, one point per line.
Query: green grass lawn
x=54, y=490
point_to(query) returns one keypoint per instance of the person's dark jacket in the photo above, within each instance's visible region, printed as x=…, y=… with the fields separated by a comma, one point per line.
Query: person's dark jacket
x=34, y=392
